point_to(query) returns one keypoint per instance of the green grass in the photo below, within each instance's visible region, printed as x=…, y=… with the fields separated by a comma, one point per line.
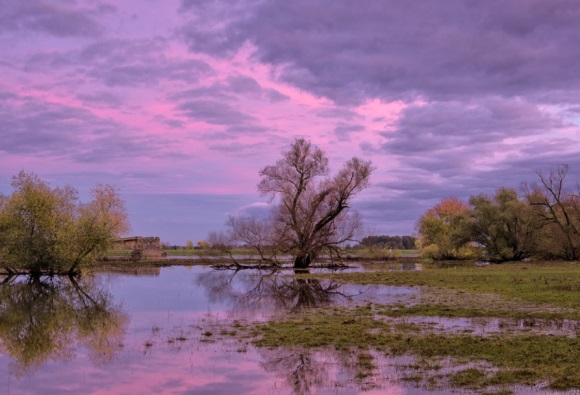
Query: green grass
x=553, y=283
x=516, y=359
x=202, y=253
x=494, y=362
x=484, y=310
x=471, y=377
x=377, y=253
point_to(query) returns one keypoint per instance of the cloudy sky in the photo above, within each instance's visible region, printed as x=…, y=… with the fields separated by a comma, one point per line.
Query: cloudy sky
x=180, y=103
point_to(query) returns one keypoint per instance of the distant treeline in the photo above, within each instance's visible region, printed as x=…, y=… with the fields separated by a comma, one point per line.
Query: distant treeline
x=541, y=221
x=394, y=242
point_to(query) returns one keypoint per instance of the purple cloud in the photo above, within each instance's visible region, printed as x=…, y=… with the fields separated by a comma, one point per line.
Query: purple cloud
x=193, y=98
x=446, y=125
x=213, y=112
x=397, y=50
x=57, y=18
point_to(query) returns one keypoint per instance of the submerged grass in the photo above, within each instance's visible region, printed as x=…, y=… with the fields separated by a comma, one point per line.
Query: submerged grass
x=445, y=310
x=534, y=290
x=517, y=359
x=490, y=362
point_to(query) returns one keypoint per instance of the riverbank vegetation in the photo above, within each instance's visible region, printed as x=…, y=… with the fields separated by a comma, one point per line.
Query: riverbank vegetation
x=46, y=230
x=544, y=222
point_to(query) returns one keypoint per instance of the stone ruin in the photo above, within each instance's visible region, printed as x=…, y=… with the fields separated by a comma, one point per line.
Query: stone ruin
x=141, y=247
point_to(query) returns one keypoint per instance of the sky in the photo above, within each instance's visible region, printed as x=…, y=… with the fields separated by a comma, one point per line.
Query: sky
x=180, y=103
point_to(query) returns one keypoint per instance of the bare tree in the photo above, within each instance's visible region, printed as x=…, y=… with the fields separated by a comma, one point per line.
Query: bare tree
x=558, y=213
x=312, y=214
x=223, y=241
x=256, y=233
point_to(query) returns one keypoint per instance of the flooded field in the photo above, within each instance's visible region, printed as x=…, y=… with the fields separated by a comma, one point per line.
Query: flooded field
x=188, y=330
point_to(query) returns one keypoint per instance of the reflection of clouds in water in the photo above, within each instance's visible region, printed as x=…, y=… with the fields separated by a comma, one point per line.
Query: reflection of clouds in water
x=173, y=310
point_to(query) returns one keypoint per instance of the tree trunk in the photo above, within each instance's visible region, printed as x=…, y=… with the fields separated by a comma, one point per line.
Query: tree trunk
x=302, y=260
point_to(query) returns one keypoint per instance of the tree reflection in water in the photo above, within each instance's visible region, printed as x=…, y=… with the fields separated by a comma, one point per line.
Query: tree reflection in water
x=248, y=290
x=309, y=371
x=300, y=369
x=304, y=370
x=45, y=319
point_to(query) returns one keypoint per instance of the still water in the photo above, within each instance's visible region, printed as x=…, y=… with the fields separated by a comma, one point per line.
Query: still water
x=157, y=331
x=147, y=333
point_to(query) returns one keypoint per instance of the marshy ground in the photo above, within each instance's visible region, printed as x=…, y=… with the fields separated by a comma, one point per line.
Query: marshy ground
x=507, y=328
x=402, y=327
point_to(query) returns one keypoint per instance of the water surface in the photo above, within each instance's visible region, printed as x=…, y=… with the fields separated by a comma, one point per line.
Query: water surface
x=153, y=331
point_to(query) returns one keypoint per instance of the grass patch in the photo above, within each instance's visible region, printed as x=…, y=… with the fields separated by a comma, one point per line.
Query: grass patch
x=519, y=359
x=552, y=283
x=208, y=253
x=517, y=376
x=442, y=310
x=471, y=378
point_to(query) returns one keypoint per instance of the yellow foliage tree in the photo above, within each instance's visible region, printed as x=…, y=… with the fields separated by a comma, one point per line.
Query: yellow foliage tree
x=203, y=245
x=44, y=229
x=436, y=227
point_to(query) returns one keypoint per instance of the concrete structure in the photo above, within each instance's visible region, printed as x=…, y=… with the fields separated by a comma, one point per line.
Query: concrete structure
x=141, y=247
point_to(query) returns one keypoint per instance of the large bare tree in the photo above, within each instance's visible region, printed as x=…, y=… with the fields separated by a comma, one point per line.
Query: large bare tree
x=312, y=214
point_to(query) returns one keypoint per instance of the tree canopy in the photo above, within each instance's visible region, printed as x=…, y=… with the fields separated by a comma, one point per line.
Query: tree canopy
x=437, y=225
x=311, y=213
x=502, y=224
x=47, y=230
x=395, y=242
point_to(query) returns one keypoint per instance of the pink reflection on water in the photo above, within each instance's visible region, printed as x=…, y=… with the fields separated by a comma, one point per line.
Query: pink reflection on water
x=165, y=349
x=174, y=346
x=162, y=368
